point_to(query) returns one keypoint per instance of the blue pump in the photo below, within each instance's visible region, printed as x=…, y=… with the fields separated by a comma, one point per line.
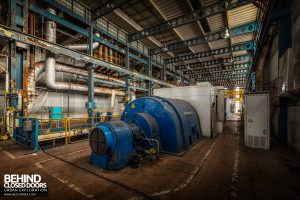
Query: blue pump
x=173, y=123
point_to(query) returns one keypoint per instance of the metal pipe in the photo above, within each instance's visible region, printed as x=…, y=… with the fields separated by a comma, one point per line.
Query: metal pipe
x=39, y=67
x=110, y=55
x=73, y=70
x=83, y=80
x=50, y=63
x=106, y=53
x=83, y=47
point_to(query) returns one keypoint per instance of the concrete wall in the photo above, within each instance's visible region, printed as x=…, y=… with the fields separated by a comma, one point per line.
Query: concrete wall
x=294, y=127
x=294, y=107
x=296, y=40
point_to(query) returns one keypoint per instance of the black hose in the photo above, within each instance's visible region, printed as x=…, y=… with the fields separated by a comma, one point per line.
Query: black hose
x=103, y=177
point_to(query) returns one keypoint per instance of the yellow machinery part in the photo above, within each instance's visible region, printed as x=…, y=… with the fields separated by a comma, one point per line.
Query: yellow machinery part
x=4, y=137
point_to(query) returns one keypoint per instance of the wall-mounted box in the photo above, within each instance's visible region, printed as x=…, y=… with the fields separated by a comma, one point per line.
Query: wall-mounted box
x=56, y=113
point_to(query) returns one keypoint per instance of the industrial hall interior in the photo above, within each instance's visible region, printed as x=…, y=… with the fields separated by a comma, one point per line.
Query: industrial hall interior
x=150, y=99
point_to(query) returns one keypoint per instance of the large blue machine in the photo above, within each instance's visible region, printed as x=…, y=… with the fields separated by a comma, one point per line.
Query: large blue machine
x=149, y=124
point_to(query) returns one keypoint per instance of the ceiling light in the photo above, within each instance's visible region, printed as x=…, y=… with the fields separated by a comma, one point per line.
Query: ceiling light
x=226, y=33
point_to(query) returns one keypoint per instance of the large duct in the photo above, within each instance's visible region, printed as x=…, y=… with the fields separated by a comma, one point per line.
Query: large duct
x=50, y=66
x=83, y=47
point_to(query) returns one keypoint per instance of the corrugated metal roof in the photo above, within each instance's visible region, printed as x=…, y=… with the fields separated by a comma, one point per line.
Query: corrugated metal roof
x=219, y=43
x=242, y=15
x=239, y=53
x=209, y=2
x=147, y=13
x=216, y=22
x=189, y=31
x=199, y=48
x=242, y=38
x=172, y=9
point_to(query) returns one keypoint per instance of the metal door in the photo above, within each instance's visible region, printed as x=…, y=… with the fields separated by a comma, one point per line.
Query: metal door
x=257, y=132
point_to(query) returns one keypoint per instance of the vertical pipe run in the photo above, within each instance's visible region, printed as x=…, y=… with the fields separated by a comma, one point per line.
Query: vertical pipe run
x=50, y=57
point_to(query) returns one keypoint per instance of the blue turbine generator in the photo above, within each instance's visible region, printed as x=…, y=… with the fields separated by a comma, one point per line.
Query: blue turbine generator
x=148, y=125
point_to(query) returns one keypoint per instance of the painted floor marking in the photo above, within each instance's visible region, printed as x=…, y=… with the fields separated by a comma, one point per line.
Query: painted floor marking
x=11, y=156
x=64, y=181
x=185, y=183
x=64, y=155
x=235, y=176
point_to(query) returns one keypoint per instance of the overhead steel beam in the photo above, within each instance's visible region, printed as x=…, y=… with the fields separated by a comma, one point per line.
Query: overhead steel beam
x=240, y=74
x=106, y=8
x=80, y=30
x=226, y=68
x=166, y=19
x=246, y=57
x=236, y=47
x=240, y=30
x=56, y=4
x=225, y=78
x=188, y=18
x=221, y=80
x=136, y=26
x=57, y=49
x=217, y=75
x=203, y=24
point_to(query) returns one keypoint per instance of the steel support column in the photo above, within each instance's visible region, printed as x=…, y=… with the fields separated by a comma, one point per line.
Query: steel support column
x=149, y=73
x=91, y=82
x=127, y=58
x=12, y=13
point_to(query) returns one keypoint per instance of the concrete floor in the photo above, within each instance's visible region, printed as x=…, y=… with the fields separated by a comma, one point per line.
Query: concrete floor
x=219, y=168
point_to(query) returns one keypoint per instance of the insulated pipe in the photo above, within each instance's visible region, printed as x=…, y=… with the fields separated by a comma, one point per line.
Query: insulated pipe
x=73, y=70
x=101, y=51
x=39, y=67
x=82, y=47
x=50, y=66
x=110, y=55
x=106, y=53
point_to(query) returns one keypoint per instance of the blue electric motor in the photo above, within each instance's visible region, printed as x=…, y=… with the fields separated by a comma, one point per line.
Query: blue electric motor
x=168, y=125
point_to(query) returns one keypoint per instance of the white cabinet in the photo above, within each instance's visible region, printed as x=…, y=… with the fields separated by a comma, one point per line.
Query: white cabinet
x=257, y=128
x=201, y=97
